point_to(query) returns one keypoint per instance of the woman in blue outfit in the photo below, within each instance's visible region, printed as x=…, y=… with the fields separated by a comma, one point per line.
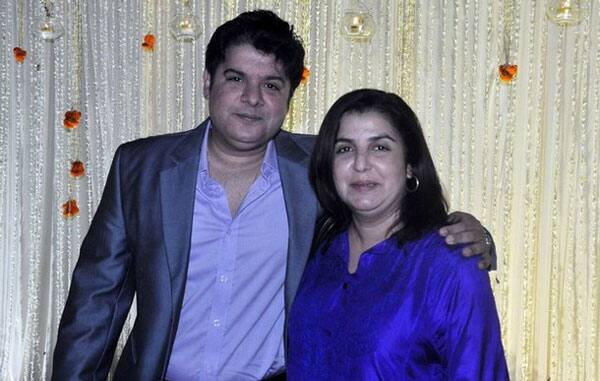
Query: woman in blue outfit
x=383, y=297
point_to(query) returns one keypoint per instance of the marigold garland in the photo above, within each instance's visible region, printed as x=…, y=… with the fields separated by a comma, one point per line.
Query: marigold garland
x=70, y=208
x=507, y=72
x=20, y=54
x=305, y=75
x=77, y=169
x=72, y=119
x=149, y=41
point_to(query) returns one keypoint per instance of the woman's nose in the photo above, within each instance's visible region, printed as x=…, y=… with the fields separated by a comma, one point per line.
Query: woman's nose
x=361, y=161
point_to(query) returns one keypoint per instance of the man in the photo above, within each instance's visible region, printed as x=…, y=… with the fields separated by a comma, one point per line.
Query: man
x=209, y=228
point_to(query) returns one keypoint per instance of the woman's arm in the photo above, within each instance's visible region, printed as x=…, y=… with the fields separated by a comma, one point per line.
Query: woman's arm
x=473, y=343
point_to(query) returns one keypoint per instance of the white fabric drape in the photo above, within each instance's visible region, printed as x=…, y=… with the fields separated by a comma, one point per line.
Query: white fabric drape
x=523, y=157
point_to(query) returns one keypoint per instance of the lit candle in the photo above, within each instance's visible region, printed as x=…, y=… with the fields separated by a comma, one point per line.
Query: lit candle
x=46, y=27
x=186, y=26
x=356, y=24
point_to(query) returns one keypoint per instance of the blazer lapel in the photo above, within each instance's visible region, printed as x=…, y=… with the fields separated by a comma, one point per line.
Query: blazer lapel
x=301, y=206
x=177, y=194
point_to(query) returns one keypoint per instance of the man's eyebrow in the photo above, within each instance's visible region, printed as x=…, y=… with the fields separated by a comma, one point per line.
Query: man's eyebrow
x=242, y=74
x=275, y=78
x=232, y=71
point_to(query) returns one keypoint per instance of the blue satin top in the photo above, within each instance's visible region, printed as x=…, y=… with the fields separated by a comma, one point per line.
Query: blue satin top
x=419, y=312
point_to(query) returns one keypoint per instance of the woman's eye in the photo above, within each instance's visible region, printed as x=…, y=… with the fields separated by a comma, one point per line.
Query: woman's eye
x=272, y=86
x=342, y=149
x=234, y=78
x=380, y=147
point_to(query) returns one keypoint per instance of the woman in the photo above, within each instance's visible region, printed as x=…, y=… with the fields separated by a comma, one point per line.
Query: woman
x=384, y=297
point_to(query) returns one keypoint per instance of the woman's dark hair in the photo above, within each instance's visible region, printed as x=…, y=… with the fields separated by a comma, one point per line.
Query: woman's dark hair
x=420, y=211
x=266, y=32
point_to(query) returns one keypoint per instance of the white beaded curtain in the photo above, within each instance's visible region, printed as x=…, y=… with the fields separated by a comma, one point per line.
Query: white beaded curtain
x=522, y=157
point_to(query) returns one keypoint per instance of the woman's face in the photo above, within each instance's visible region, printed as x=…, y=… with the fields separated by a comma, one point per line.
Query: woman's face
x=369, y=168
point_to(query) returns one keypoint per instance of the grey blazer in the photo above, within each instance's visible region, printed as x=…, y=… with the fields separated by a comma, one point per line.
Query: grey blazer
x=139, y=244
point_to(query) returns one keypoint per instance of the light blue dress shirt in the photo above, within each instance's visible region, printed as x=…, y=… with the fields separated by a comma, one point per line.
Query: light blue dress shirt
x=232, y=319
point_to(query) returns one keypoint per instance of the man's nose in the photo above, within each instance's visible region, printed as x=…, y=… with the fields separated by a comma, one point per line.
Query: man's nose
x=252, y=94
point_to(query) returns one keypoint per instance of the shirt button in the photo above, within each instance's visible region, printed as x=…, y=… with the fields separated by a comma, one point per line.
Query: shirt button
x=216, y=323
x=223, y=279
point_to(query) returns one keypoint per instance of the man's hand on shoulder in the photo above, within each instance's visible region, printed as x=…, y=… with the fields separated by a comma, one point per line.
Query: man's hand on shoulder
x=464, y=228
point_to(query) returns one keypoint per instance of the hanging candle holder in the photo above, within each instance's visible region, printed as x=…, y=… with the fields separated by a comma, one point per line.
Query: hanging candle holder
x=357, y=24
x=48, y=27
x=565, y=12
x=185, y=26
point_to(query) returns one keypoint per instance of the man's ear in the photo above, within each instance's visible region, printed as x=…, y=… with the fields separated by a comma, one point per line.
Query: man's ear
x=206, y=84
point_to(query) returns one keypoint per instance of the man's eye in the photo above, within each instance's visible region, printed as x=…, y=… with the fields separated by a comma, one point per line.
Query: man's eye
x=380, y=147
x=271, y=86
x=234, y=78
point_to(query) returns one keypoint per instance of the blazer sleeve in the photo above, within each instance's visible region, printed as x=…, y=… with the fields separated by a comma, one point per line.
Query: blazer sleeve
x=101, y=291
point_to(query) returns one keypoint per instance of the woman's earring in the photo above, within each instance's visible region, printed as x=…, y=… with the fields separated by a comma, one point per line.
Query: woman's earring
x=412, y=184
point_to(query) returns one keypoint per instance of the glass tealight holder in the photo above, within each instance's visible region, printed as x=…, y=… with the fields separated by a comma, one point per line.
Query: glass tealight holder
x=50, y=28
x=564, y=12
x=357, y=26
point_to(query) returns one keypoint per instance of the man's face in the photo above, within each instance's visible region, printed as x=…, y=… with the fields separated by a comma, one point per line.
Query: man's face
x=248, y=99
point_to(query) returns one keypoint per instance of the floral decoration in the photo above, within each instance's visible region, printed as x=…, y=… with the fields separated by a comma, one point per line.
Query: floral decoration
x=72, y=119
x=507, y=72
x=77, y=169
x=70, y=208
x=20, y=54
x=305, y=75
x=149, y=41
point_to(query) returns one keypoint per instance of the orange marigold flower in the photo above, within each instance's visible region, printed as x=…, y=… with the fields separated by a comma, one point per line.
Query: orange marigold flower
x=70, y=208
x=305, y=75
x=20, y=54
x=507, y=72
x=148, y=43
x=72, y=119
x=77, y=169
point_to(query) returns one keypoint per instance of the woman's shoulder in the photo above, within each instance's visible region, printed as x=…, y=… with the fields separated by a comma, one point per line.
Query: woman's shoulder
x=433, y=244
x=442, y=258
x=450, y=277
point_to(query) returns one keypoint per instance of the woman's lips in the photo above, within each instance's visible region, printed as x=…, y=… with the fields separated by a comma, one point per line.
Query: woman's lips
x=363, y=185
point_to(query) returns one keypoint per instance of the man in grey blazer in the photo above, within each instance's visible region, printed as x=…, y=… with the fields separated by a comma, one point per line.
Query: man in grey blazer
x=210, y=229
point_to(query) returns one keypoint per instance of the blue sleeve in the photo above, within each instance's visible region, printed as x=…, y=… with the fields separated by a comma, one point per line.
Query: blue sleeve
x=472, y=344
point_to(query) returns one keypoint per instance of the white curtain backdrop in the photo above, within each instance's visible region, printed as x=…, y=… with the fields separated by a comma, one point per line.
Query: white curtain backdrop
x=523, y=157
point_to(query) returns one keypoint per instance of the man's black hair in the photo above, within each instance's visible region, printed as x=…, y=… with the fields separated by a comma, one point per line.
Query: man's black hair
x=266, y=32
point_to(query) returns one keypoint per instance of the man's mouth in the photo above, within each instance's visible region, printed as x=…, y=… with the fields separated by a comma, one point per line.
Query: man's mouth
x=248, y=117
